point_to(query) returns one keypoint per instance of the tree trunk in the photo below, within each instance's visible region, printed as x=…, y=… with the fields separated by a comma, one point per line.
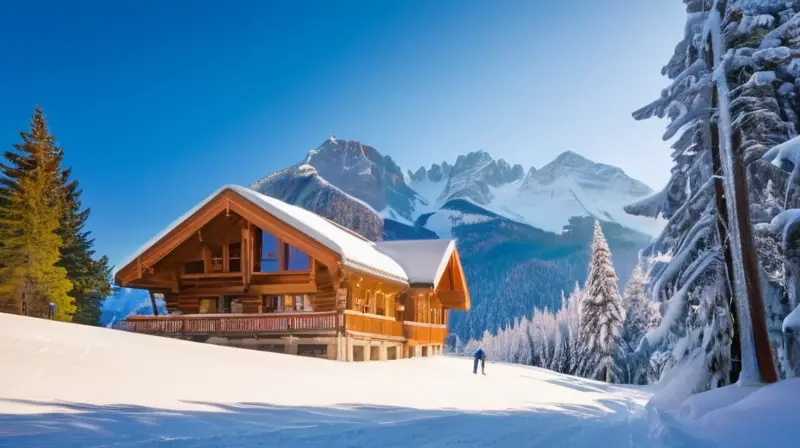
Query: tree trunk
x=722, y=220
x=766, y=365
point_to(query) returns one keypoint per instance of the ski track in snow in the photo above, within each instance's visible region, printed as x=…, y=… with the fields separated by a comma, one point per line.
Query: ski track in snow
x=96, y=387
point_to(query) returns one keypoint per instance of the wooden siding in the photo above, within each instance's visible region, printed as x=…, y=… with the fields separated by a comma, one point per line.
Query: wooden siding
x=379, y=325
x=421, y=334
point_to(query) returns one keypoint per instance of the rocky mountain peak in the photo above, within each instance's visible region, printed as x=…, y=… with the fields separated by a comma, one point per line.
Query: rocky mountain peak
x=363, y=172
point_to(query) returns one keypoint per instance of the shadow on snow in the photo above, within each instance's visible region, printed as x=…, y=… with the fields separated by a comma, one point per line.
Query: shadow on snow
x=264, y=425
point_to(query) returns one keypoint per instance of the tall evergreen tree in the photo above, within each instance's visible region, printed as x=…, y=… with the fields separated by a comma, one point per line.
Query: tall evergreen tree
x=638, y=315
x=637, y=310
x=756, y=43
x=574, y=325
x=602, y=350
x=90, y=278
x=31, y=207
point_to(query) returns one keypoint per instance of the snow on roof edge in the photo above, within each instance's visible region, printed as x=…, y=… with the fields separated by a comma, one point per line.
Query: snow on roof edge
x=440, y=267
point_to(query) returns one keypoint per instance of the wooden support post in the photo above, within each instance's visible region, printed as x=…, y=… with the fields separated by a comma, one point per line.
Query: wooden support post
x=153, y=302
x=206, y=253
x=246, y=247
x=766, y=366
x=722, y=220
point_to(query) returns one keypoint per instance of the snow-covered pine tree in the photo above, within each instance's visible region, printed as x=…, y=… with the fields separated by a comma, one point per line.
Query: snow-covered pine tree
x=637, y=317
x=523, y=342
x=636, y=307
x=573, y=324
x=602, y=350
x=561, y=361
x=757, y=39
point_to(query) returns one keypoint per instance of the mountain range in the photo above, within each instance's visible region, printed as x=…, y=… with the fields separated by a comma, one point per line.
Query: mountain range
x=523, y=235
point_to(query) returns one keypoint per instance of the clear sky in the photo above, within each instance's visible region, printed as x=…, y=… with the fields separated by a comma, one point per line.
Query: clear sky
x=157, y=103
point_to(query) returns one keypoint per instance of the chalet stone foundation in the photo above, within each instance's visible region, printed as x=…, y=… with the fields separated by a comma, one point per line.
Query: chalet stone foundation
x=339, y=347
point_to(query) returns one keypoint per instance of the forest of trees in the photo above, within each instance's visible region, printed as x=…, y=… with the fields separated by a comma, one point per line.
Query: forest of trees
x=48, y=267
x=595, y=332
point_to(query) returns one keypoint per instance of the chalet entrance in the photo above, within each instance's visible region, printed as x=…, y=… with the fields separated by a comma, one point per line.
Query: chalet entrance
x=246, y=270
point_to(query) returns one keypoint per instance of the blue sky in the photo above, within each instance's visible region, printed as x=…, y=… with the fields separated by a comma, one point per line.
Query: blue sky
x=158, y=103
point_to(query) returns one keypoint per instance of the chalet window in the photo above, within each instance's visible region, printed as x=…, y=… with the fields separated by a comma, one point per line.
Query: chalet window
x=194, y=267
x=224, y=304
x=298, y=260
x=216, y=259
x=380, y=305
x=207, y=305
x=269, y=253
x=299, y=303
x=235, y=257
x=369, y=306
x=273, y=304
x=315, y=350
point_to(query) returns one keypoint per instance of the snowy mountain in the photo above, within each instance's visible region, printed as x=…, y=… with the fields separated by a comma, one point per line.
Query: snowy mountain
x=522, y=238
x=361, y=171
x=302, y=185
x=569, y=186
x=128, y=302
x=472, y=177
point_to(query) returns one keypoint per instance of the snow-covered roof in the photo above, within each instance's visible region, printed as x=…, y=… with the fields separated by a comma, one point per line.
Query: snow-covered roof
x=355, y=252
x=424, y=261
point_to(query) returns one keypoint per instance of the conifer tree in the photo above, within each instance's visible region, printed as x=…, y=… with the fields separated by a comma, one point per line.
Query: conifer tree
x=31, y=206
x=637, y=311
x=602, y=352
x=90, y=278
x=638, y=315
x=29, y=278
x=574, y=324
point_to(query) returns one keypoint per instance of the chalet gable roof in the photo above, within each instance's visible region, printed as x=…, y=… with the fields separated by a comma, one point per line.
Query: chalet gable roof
x=355, y=251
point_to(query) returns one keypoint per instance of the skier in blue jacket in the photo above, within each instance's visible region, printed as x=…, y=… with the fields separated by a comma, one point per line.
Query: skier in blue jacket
x=479, y=355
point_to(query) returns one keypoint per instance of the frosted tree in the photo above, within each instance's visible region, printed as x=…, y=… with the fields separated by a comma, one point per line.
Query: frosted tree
x=637, y=319
x=637, y=309
x=753, y=45
x=561, y=353
x=573, y=325
x=602, y=350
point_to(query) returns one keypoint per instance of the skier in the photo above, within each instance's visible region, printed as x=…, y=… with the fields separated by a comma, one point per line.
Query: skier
x=479, y=355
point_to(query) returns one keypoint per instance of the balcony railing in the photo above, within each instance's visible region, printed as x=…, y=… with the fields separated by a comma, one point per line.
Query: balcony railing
x=230, y=323
x=207, y=324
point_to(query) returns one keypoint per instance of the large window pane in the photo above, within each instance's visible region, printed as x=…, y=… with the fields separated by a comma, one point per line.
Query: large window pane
x=269, y=253
x=298, y=260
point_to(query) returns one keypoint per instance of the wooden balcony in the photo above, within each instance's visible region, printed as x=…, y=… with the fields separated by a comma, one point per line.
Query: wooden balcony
x=373, y=324
x=419, y=333
x=285, y=324
x=221, y=324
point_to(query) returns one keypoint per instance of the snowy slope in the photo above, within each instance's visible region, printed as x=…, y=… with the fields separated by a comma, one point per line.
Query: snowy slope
x=69, y=385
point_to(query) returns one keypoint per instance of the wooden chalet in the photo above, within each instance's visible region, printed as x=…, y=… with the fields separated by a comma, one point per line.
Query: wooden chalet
x=247, y=270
